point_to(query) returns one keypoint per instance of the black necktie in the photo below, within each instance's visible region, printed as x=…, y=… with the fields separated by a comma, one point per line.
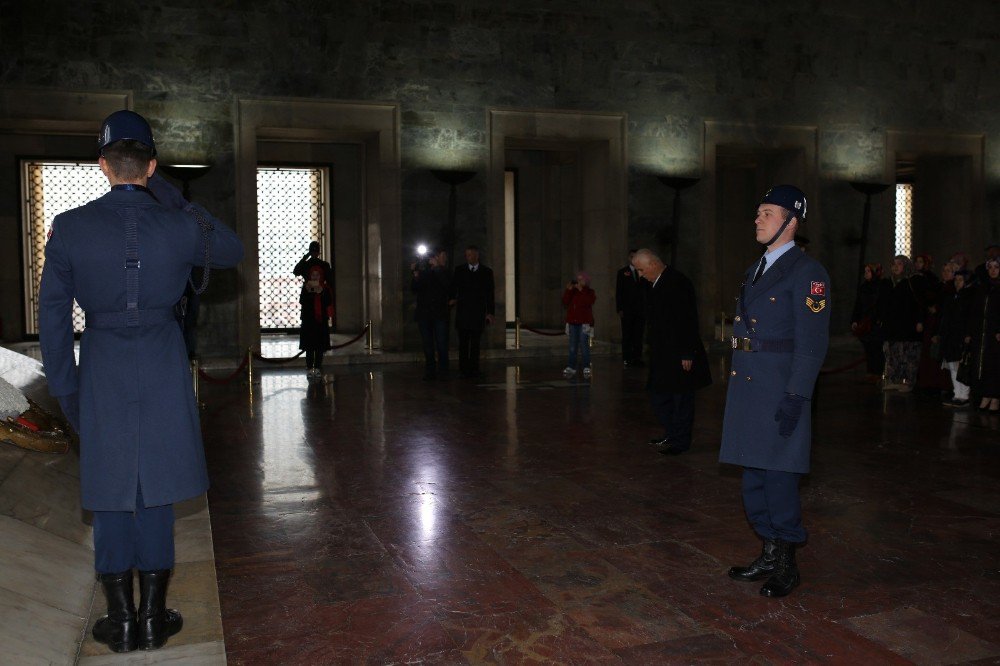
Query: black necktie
x=760, y=269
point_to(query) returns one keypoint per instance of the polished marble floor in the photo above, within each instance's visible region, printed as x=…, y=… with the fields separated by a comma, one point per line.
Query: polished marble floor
x=377, y=518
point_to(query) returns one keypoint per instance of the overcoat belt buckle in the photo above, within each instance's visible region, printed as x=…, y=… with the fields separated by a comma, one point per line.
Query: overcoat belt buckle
x=742, y=344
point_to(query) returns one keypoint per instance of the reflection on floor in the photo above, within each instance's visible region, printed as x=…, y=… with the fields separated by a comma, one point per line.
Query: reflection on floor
x=376, y=518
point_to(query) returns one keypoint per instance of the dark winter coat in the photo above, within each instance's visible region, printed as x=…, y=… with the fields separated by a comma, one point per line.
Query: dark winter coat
x=790, y=304
x=138, y=418
x=672, y=328
x=432, y=287
x=474, y=298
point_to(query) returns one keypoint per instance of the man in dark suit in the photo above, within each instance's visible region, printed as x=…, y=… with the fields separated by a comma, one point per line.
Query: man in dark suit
x=780, y=337
x=431, y=284
x=678, y=365
x=472, y=295
x=126, y=258
x=630, y=302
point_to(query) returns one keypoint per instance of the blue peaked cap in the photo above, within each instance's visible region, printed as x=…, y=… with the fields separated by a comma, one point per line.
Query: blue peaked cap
x=125, y=125
x=788, y=197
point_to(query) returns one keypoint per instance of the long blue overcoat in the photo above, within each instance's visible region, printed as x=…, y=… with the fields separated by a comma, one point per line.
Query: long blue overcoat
x=138, y=419
x=789, y=305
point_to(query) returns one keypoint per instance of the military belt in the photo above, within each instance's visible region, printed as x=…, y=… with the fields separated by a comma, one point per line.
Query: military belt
x=758, y=345
x=150, y=317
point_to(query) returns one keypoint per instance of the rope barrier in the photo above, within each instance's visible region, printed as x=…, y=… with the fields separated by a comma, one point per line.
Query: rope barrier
x=286, y=359
x=228, y=378
x=353, y=340
x=535, y=330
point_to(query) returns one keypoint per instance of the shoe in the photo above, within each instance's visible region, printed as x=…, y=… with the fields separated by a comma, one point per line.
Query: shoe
x=955, y=403
x=118, y=629
x=586, y=372
x=157, y=623
x=905, y=388
x=995, y=405
x=627, y=363
x=760, y=568
x=786, y=573
x=891, y=387
x=569, y=372
x=656, y=441
x=672, y=450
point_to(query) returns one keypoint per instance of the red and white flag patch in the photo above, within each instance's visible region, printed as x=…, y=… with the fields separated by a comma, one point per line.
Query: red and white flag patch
x=818, y=289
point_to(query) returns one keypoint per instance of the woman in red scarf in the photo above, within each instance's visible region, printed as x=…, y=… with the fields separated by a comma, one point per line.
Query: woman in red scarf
x=317, y=309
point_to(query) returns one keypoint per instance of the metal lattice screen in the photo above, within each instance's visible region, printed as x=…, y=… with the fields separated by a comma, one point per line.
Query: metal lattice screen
x=904, y=218
x=291, y=212
x=51, y=188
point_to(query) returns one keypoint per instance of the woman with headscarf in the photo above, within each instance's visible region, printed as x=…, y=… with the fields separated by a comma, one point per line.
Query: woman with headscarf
x=902, y=315
x=955, y=304
x=866, y=323
x=984, y=338
x=317, y=309
x=578, y=299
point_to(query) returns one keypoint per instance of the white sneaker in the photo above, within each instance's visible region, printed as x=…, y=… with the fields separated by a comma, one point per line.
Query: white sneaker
x=569, y=372
x=586, y=372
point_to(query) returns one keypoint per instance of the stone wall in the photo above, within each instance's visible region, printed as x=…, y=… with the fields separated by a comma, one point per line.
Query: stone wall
x=852, y=70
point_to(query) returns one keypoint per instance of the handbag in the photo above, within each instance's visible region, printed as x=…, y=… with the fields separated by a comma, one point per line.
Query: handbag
x=964, y=374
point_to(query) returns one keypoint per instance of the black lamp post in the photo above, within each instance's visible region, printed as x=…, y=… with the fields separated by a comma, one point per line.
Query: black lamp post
x=867, y=189
x=185, y=173
x=677, y=183
x=453, y=179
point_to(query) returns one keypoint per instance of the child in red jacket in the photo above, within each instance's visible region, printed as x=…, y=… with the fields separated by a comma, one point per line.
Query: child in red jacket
x=578, y=299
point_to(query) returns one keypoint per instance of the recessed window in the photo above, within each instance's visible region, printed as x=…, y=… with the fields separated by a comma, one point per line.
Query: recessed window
x=50, y=188
x=904, y=218
x=291, y=212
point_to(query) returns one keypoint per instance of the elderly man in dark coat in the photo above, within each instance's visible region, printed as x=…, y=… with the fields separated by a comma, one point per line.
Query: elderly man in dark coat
x=678, y=365
x=781, y=332
x=126, y=258
x=472, y=294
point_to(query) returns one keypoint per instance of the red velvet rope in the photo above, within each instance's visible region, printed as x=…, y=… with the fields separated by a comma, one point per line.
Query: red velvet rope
x=352, y=340
x=228, y=378
x=535, y=330
x=235, y=373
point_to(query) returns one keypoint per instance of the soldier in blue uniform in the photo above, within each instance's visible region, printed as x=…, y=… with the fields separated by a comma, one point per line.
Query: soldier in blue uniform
x=780, y=336
x=126, y=258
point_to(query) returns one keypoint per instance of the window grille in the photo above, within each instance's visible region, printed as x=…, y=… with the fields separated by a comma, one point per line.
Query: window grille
x=51, y=188
x=291, y=212
x=904, y=218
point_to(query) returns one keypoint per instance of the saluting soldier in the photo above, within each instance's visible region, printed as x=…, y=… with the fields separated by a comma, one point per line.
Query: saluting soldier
x=780, y=336
x=126, y=258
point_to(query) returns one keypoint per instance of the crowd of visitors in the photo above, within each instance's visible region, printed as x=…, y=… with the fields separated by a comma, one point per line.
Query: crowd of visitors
x=936, y=333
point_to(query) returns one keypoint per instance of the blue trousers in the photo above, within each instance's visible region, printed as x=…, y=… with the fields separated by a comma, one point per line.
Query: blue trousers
x=675, y=412
x=578, y=341
x=142, y=540
x=434, y=335
x=771, y=501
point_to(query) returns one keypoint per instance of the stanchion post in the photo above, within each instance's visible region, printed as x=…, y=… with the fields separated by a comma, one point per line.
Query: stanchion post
x=250, y=373
x=195, y=380
x=517, y=332
x=722, y=326
x=370, y=338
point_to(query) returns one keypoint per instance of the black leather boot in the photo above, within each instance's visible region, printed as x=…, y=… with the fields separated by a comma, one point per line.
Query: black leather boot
x=786, y=573
x=760, y=568
x=157, y=623
x=118, y=629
